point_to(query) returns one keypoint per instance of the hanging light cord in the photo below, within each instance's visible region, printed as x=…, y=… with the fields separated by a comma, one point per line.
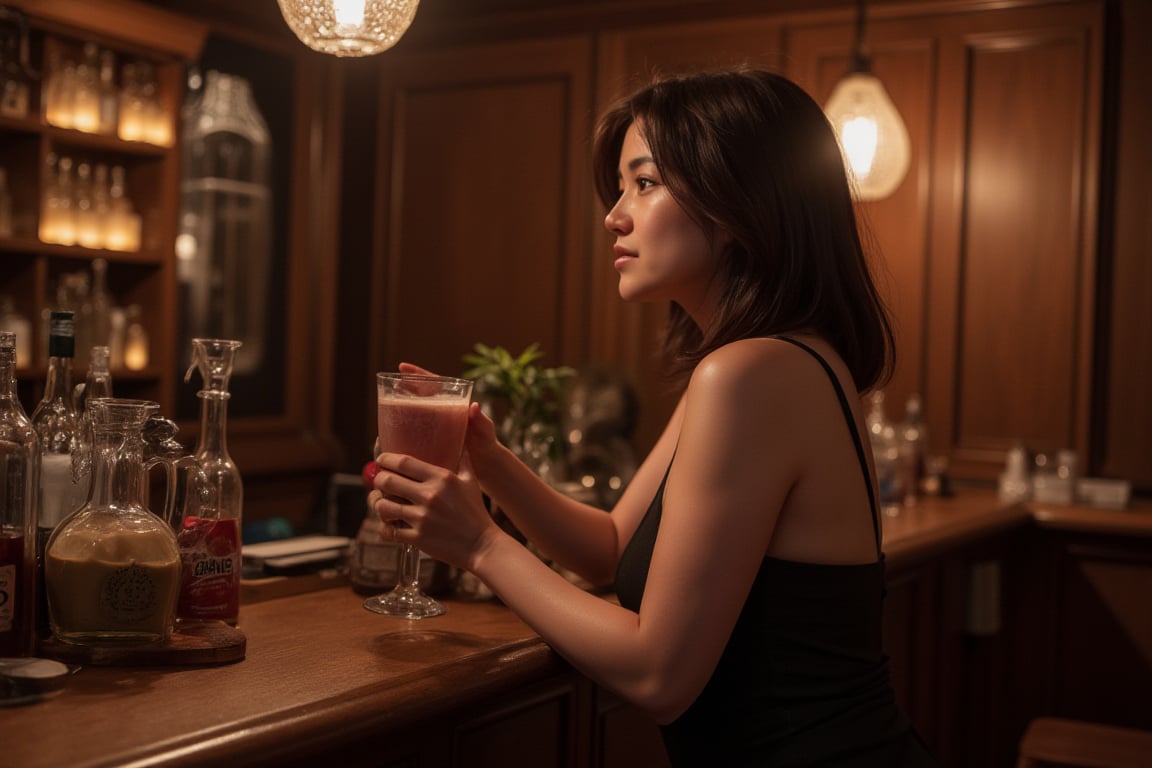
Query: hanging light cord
x=861, y=62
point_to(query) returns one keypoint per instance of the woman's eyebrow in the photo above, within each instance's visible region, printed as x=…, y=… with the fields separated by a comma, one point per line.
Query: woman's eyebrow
x=636, y=162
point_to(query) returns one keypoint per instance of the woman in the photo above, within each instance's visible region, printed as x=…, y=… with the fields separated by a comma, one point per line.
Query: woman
x=746, y=550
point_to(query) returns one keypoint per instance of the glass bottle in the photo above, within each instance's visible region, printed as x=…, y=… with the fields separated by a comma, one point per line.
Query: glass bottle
x=122, y=230
x=913, y=436
x=209, y=538
x=112, y=569
x=108, y=93
x=136, y=354
x=11, y=320
x=101, y=301
x=46, y=227
x=55, y=97
x=84, y=212
x=886, y=456
x=97, y=383
x=58, y=427
x=20, y=472
x=130, y=123
x=86, y=97
x=15, y=83
x=226, y=218
x=64, y=215
x=100, y=202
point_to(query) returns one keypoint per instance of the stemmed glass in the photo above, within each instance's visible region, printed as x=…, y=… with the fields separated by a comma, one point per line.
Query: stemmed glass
x=426, y=417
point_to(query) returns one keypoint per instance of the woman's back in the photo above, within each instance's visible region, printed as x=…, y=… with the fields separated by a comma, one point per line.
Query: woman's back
x=802, y=679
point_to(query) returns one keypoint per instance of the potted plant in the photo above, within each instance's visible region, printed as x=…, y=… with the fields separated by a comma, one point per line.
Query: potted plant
x=522, y=399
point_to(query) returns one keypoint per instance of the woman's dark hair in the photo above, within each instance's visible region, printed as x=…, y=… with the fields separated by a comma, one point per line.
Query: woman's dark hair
x=749, y=154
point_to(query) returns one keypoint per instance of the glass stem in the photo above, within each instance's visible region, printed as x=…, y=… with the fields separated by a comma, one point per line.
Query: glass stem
x=409, y=567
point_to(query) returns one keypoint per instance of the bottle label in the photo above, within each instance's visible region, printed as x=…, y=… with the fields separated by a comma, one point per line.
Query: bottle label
x=210, y=558
x=7, y=597
x=59, y=493
x=62, y=335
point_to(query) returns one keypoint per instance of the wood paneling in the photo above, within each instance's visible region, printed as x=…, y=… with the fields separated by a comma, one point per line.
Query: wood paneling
x=986, y=252
x=1023, y=247
x=1125, y=419
x=485, y=217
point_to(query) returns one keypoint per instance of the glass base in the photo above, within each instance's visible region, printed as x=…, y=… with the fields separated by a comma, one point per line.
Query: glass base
x=404, y=603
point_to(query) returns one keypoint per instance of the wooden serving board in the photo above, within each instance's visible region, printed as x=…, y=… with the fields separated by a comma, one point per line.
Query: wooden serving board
x=208, y=642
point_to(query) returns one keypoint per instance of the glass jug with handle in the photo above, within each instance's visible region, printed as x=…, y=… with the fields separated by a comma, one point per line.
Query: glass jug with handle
x=112, y=568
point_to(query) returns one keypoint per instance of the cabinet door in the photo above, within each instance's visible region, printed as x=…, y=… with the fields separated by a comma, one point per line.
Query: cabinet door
x=991, y=241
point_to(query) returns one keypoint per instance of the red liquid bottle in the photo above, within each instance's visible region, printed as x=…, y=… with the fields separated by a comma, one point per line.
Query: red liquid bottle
x=19, y=487
x=209, y=536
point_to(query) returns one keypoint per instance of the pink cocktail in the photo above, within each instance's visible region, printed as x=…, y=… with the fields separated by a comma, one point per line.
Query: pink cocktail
x=425, y=417
x=425, y=427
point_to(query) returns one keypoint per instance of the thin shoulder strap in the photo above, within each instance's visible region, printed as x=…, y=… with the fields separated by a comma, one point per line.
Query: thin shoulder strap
x=851, y=428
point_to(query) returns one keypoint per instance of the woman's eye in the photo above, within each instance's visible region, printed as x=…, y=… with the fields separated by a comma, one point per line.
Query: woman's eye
x=644, y=184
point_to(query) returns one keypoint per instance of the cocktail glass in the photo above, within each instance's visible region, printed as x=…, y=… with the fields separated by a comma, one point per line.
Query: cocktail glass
x=425, y=417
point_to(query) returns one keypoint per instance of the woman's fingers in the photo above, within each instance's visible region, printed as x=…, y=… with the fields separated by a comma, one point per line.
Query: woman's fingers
x=412, y=368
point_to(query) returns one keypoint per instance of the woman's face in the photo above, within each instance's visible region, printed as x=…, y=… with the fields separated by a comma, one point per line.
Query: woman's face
x=661, y=253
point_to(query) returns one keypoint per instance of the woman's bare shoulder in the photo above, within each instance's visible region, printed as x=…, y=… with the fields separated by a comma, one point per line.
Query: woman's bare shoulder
x=764, y=365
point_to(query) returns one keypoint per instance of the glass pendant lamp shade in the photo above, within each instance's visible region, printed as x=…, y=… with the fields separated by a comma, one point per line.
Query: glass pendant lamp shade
x=349, y=27
x=872, y=135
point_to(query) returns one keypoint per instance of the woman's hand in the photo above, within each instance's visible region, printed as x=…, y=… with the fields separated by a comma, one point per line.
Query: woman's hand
x=436, y=510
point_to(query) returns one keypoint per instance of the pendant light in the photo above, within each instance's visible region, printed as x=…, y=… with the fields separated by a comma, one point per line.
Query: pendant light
x=872, y=135
x=349, y=27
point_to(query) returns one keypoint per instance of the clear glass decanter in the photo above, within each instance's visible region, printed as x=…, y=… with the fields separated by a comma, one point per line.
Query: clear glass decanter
x=209, y=538
x=112, y=569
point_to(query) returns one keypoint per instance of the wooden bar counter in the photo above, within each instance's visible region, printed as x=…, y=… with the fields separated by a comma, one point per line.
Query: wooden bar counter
x=325, y=682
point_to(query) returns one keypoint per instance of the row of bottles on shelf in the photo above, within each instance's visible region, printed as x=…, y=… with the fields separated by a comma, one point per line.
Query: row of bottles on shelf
x=83, y=558
x=86, y=204
x=16, y=72
x=83, y=93
x=904, y=470
x=98, y=321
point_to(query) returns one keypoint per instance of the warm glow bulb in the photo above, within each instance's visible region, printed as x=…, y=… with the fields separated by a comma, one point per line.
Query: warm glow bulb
x=872, y=135
x=349, y=27
x=859, y=141
x=349, y=13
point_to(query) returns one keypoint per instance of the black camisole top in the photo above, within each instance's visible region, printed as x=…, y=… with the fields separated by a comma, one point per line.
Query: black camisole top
x=803, y=679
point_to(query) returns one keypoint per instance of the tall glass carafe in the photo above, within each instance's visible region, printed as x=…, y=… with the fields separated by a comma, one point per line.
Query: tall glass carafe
x=19, y=485
x=112, y=569
x=209, y=535
x=224, y=245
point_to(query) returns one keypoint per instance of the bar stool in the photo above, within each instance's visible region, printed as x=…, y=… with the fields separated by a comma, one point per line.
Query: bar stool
x=1053, y=741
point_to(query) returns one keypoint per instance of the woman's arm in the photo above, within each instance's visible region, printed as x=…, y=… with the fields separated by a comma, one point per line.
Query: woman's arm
x=731, y=475
x=583, y=538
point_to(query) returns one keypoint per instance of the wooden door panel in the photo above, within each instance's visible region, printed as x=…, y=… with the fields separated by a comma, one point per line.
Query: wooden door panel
x=1021, y=253
x=483, y=222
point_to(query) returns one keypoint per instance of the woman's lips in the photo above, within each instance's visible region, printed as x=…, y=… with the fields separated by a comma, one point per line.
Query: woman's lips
x=623, y=255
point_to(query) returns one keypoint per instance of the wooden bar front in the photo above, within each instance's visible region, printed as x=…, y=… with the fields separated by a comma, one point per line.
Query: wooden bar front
x=326, y=681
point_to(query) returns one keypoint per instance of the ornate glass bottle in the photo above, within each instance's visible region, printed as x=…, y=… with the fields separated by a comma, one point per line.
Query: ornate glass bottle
x=19, y=484
x=112, y=570
x=209, y=536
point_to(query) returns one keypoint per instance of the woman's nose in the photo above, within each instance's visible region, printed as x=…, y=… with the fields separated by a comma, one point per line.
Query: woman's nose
x=617, y=222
